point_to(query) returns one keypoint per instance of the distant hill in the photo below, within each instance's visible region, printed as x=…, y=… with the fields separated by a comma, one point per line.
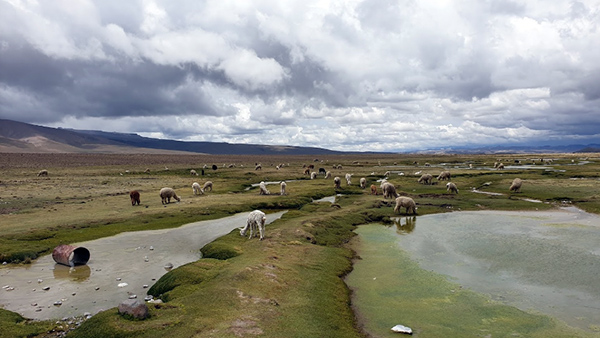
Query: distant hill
x=22, y=137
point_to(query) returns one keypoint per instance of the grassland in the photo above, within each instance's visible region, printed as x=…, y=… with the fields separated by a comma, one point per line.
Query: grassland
x=288, y=285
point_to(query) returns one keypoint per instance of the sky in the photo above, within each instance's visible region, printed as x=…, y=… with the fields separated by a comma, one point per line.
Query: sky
x=373, y=75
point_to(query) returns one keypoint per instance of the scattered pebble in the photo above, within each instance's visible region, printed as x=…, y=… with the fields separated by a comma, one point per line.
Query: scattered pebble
x=58, y=303
x=151, y=248
x=402, y=329
x=118, y=279
x=40, y=280
x=132, y=296
x=145, y=286
x=97, y=288
x=122, y=285
x=46, y=288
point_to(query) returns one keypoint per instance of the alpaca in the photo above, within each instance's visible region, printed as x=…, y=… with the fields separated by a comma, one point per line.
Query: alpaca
x=444, y=175
x=256, y=219
x=425, y=179
x=348, y=177
x=263, y=189
x=516, y=185
x=363, y=182
x=283, y=186
x=337, y=182
x=373, y=189
x=43, y=172
x=197, y=189
x=407, y=203
x=135, y=197
x=451, y=187
x=166, y=194
x=207, y=186
x=389, y=190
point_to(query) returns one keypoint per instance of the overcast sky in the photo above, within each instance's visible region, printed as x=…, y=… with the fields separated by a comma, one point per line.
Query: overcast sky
x=375, y=75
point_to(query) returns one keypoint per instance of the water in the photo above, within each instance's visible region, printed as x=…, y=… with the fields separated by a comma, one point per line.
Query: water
x=543, y=262
x=136, y=259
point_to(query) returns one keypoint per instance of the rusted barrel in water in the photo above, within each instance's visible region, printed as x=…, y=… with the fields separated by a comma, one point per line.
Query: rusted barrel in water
x=71, y=255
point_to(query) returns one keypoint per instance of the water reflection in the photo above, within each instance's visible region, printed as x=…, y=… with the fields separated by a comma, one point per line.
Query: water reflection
x=77, y=273
x=405, y=225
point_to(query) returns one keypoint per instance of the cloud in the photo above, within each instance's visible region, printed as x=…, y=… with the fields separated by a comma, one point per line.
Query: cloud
x=350, y=75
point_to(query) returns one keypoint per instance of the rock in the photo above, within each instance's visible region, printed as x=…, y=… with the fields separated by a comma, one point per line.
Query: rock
x=122, y=285
x=134, y=307
x=168, y=266
x=402, y=329
x=46, y=288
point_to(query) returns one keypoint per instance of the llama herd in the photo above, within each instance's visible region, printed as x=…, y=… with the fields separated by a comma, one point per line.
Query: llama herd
x=255, y=224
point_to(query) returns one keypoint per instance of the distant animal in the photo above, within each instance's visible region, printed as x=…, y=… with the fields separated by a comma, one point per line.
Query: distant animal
x=389, y=190
x=193, y=172
x=313, y=175
x=363, y=182
x=197, y=189
x=322, y=171
x=516, y=185
x=166, y=194
x=135, y=197
x=451, y=187
x=328, y=174
x=258, y=167
x=282, y=186
x=207, y=186
x=407, y=203
x=337, y=182
x=263, y=189
x=348, y=178
x=307, y=171
x=214, y=167
x=43, y=172
x=425, y=179
x=256, y=221
x=444, y=175
x=373, y=189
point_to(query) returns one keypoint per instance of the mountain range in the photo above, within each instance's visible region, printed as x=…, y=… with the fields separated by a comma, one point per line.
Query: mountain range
x=19, y=137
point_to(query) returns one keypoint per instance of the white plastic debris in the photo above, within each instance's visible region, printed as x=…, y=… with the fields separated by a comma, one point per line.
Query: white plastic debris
x=402, y=329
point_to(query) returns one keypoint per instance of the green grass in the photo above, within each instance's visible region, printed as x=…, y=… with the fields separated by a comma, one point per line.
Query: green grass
x=291, y=283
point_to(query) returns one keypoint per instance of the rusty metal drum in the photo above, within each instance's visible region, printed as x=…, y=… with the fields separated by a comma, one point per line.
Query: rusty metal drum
x=71, y=255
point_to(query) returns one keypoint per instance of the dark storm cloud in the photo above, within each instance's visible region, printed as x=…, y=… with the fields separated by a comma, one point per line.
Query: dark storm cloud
x=306, y=72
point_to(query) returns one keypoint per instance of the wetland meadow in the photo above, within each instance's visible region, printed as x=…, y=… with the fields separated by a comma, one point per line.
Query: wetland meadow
x=334, y=262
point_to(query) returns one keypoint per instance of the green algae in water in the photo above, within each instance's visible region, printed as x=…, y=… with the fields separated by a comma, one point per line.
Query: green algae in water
x=391, y=288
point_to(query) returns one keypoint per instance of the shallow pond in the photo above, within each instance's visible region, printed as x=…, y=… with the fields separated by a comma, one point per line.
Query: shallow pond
x=541, y=262
x=120, y=267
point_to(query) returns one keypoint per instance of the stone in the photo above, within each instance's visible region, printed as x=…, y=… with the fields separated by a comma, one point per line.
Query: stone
x=402, y=329
x=135, y=308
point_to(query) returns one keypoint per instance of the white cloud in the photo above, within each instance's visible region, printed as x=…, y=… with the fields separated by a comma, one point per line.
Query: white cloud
x=345, y=75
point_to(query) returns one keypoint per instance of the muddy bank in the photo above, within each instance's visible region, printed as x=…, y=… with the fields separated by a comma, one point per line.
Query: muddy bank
x=120, y=267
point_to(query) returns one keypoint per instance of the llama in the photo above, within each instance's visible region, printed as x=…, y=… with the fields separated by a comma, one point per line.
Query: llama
x=256, y=219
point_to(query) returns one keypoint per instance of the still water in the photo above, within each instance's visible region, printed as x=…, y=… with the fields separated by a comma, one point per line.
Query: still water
x=542, y=262
x=120, y=267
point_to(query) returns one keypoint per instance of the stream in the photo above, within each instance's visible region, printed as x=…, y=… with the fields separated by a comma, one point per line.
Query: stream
x=120, y=267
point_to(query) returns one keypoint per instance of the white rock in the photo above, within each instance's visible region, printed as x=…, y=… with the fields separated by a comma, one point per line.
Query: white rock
x=402, y=329
x=122, y=285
